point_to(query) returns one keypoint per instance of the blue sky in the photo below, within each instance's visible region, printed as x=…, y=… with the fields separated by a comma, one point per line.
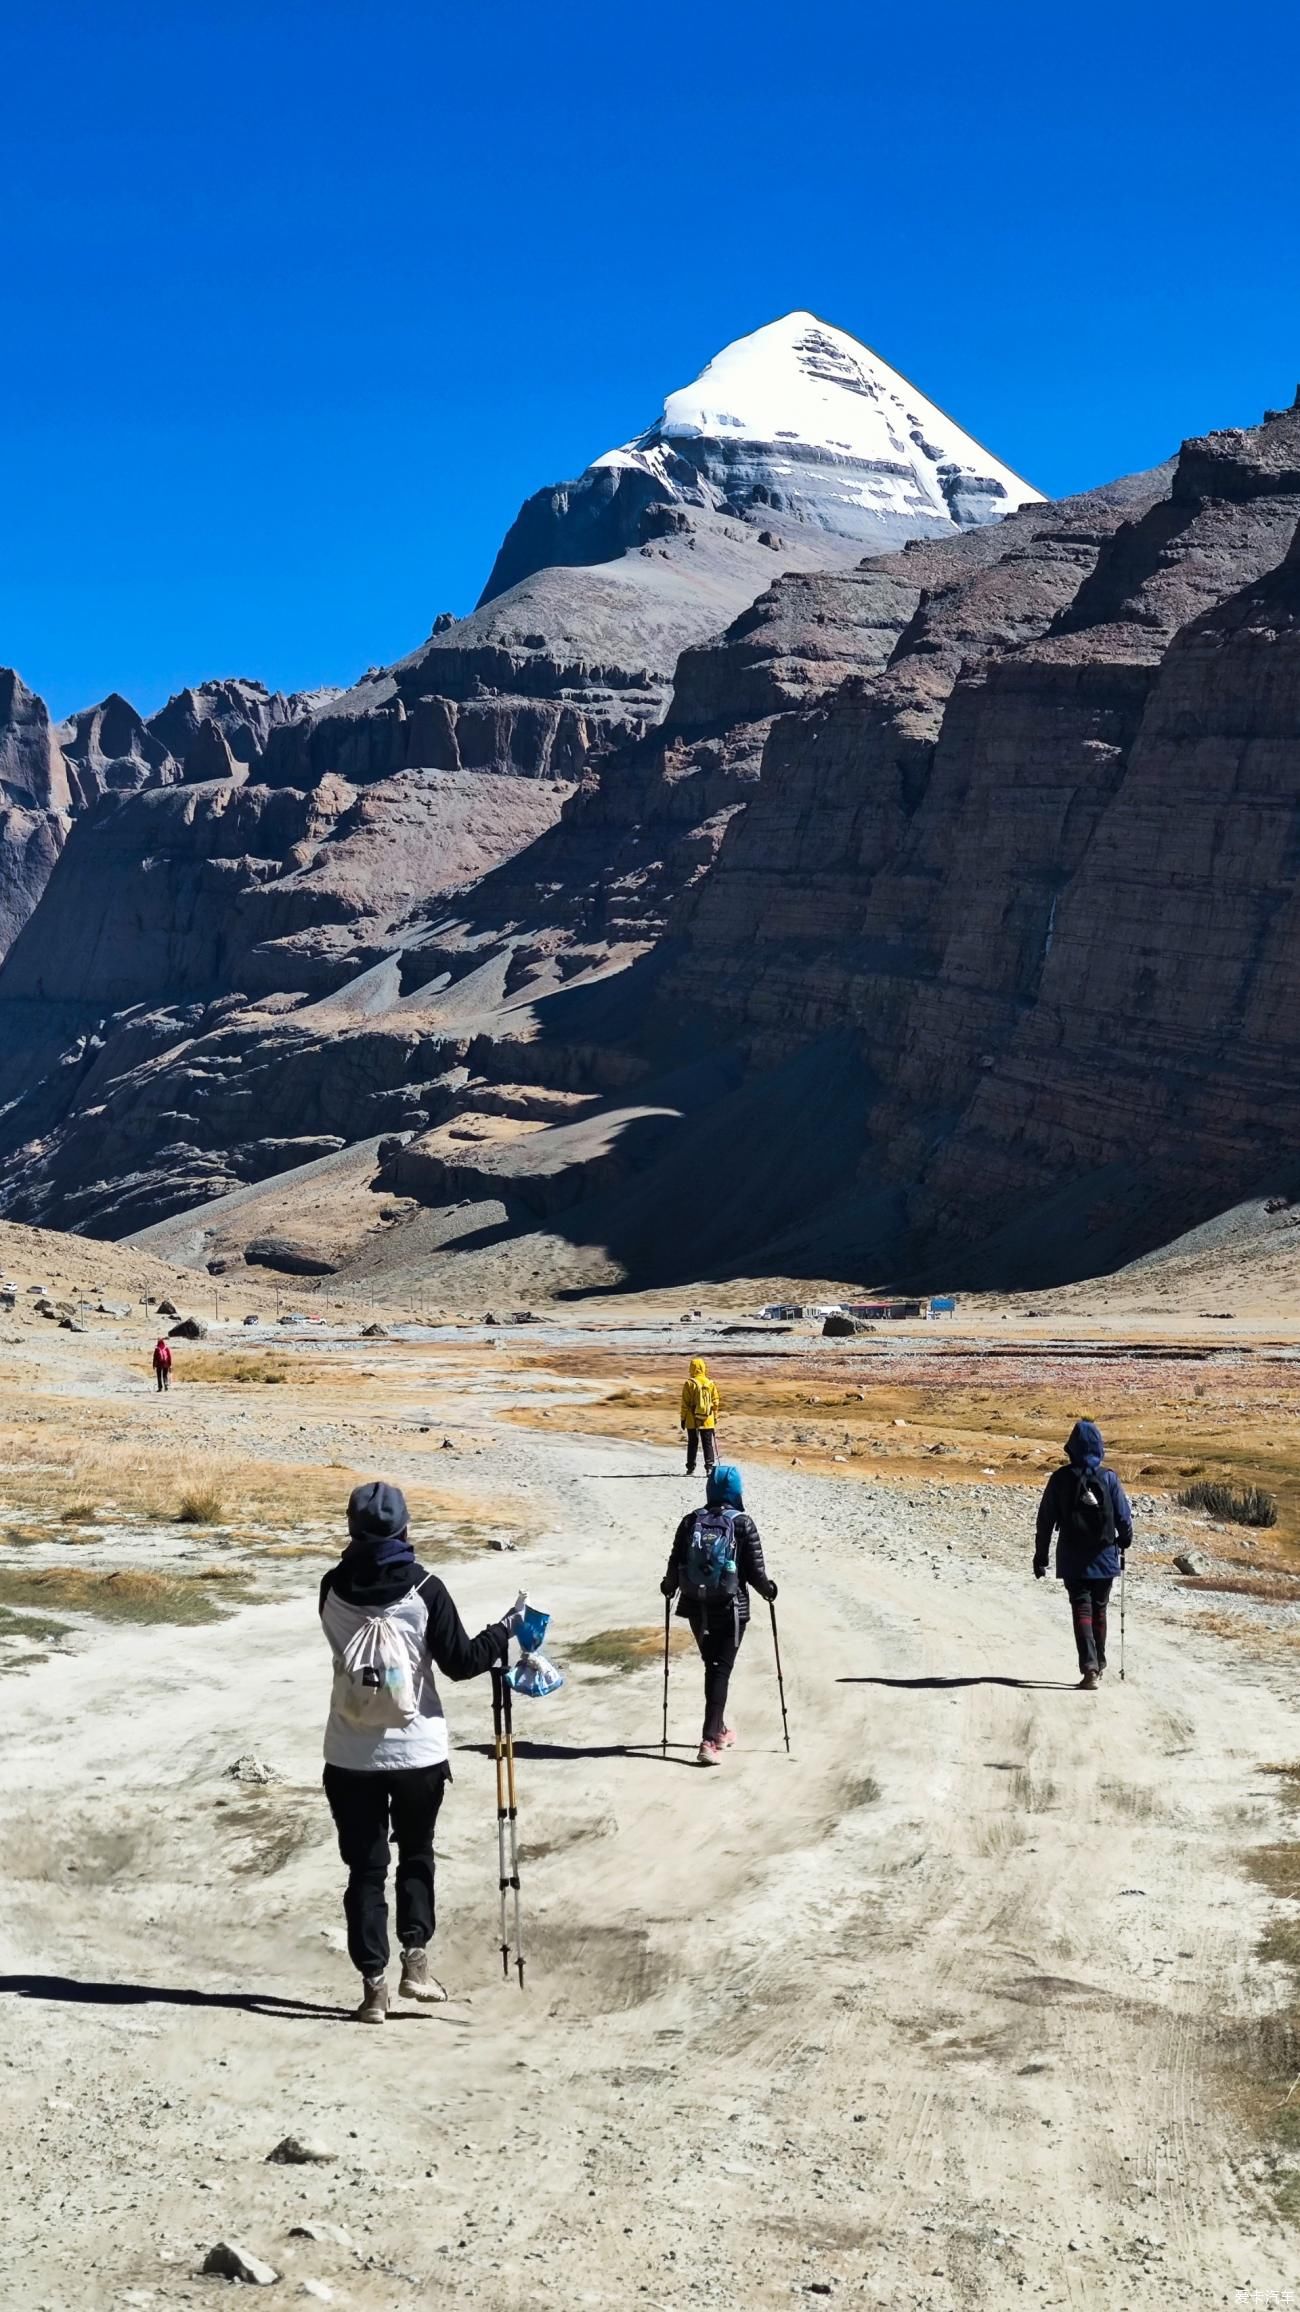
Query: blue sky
x=300, y=299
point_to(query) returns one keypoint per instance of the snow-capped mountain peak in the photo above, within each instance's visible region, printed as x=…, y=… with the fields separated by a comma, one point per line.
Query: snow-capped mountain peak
x=799, y=394
x=796, y=431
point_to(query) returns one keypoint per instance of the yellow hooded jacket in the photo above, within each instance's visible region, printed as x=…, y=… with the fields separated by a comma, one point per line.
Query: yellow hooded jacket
x=701, y=1398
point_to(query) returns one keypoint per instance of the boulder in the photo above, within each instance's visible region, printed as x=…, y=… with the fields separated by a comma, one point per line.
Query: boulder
x=189, y=1329
x=374, y=1333
x=286, y=1257
x=839, y=1328
x=1191, y=1562
x=167, y=1308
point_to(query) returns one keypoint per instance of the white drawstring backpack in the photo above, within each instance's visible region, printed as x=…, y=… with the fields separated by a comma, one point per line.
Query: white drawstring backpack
x=373, y=1685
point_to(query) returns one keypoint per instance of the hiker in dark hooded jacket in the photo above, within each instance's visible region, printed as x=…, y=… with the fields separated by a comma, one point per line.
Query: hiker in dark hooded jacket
x=717, y=1558
x=1086, y=1507
x=386, y=1765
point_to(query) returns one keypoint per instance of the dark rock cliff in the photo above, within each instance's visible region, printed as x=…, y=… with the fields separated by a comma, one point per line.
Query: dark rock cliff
x=948, y=915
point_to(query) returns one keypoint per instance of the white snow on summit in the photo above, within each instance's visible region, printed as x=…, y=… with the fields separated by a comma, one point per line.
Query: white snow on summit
x=809, y=395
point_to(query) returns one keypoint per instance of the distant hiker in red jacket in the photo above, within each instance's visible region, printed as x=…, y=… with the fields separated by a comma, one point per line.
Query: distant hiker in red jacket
x=162, y=1364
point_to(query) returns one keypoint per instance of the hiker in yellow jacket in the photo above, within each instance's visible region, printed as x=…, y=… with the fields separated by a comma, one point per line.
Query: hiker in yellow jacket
x=701, y=1405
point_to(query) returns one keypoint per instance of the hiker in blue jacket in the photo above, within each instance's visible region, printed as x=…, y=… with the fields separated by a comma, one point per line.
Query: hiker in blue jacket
x=716, y=1559
x=1086, y=1507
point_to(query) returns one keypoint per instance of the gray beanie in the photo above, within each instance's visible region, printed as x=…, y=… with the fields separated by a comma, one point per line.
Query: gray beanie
x=377, y=1512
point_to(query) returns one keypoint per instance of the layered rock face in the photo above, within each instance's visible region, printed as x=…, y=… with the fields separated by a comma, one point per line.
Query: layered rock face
x=999, y=917
x=35, y=802
x=988, y=977
x=942, y=924
x=50, y=774
x=272, y=857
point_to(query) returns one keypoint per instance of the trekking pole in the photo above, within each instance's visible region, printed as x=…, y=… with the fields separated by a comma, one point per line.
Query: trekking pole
x=668, y=1613
x=514, y=1827
x=498, y=1722
x=1123, y=1568
x=780, y=1682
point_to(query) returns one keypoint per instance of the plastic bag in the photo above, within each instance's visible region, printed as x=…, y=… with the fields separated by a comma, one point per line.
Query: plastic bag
x=532, y=1629
x=533, y=1675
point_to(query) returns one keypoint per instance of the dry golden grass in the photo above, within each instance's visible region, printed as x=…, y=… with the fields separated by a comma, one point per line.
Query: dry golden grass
x=1265, y=2052
x=630, y=1649
x=126, y=1596
x=244, y=1368
x=1275, y=1588
x=200, y=1505
x=31, y=1626
x=44, y=1474
x=950, y=1414
x=1277, y=1868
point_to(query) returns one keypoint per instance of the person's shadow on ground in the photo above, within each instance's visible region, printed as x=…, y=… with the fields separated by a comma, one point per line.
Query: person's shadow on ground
x=941, y=1685
x=562, y=1750
x=78, y=1994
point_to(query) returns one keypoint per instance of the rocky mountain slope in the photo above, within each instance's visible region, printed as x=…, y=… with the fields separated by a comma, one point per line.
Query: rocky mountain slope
x=941, y=928
x=52, y=773
x=222, y=884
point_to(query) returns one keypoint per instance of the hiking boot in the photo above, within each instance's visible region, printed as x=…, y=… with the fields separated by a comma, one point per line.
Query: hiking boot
x=417, y=1982
x=374, y=2003
x=708, y=1755
x=727, y=1738
x=1088, y=1682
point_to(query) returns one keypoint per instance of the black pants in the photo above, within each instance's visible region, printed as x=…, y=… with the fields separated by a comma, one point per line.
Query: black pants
x=719, y=1640
x=694, y=1439
x=1088, y=1603
x=362, y=1806
x=164, y=1376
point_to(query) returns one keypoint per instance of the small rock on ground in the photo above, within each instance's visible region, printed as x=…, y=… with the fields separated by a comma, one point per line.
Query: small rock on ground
x=230, y=2260
x=248, y=1767
x=301, y=2151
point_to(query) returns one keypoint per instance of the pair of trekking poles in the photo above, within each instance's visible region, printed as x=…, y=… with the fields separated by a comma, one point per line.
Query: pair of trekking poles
x=780, y=1681
x=507, y=1821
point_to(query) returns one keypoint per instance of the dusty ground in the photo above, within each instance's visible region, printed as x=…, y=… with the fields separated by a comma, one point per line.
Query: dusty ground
x=963, y=2005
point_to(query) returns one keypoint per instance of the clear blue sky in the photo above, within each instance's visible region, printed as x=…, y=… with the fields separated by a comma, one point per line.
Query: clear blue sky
x=301, y=298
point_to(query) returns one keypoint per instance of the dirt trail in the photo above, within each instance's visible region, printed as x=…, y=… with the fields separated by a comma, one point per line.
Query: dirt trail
x=926, y=2016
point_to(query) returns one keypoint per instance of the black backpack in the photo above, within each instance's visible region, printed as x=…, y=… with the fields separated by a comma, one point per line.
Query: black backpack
x=710, y=1571
x=1088, y=1513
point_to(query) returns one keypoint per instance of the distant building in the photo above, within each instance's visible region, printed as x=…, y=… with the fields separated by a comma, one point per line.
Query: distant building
x=788, y=1309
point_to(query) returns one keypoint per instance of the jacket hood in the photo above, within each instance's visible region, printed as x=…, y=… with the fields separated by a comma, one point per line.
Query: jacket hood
x=1084, y=1446
x=723, y=1490
x=699, y=1370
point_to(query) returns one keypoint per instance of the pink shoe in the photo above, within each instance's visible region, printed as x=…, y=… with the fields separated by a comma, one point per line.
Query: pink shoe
x=727, y=1738
x=708, y=1755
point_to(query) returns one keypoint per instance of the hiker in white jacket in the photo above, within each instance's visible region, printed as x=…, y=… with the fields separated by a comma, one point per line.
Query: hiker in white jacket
x=387, y=1623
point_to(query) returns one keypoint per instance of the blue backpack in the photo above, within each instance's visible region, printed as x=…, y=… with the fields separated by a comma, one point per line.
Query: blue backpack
x=711, y=1557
